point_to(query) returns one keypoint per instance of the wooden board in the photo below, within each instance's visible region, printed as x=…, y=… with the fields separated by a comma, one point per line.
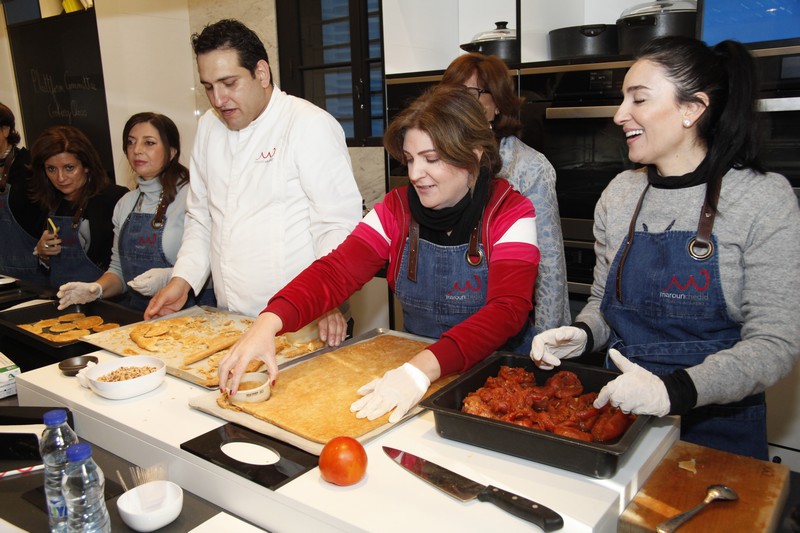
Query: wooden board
x=673, y=488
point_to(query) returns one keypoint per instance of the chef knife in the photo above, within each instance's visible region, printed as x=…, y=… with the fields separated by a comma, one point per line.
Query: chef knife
x=465, y=489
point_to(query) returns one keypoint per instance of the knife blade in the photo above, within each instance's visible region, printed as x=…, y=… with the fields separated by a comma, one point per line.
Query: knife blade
x=465, y=489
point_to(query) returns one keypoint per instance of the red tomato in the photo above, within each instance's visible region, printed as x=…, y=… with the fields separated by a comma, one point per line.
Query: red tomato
x=343, y=461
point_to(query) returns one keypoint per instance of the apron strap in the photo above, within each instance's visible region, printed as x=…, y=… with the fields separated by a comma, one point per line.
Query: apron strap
x=474, y=255
x=161, y=211
x=628, y=242
x=76, y=218
x=413, y=249
x=7, y=169
x=701, y=246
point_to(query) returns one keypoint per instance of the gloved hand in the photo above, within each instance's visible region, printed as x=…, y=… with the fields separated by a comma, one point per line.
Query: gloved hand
x=76, y=292
x=550, y=347
x=399, y=389
x=151, y=281
x=636, y=391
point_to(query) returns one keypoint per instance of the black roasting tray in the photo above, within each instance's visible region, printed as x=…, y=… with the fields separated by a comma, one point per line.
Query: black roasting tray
x=589, y=458
x=110, y=311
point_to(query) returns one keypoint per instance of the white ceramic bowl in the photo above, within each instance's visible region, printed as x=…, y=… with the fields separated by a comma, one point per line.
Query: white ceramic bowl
x=253, y=394
x=119, y=390
x=151, y=506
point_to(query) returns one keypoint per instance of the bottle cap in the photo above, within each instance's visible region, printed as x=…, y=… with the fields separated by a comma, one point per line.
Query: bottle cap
x=56, y=417
x=79, y=452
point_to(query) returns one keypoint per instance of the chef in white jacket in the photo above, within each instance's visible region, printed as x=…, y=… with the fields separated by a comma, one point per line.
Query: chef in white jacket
x=272, y=185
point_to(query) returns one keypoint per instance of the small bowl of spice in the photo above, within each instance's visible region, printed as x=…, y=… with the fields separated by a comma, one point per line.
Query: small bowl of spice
x=253, y=388
x=126, y=377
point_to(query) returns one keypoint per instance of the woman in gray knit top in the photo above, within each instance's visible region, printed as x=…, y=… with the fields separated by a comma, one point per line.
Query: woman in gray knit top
x=696, y=285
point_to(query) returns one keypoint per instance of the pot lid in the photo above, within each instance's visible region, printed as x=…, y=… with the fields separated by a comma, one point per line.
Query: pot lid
x=660, y=6
x=500, y=33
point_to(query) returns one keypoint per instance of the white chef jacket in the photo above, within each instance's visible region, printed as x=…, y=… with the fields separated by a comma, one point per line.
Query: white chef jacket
x=265, y=201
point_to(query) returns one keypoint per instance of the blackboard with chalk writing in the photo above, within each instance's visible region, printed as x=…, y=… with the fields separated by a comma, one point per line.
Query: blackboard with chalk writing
x=60, y=78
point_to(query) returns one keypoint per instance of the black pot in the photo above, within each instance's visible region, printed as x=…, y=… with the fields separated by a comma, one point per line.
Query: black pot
x=501, y=42
x=641, y=23
x=582, y=41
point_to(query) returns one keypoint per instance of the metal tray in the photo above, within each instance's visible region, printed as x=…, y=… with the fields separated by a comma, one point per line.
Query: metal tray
x=14, y=296
x=12, y=318
x=590, y=458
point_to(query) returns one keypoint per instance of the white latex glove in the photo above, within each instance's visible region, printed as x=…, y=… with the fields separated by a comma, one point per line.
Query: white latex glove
x=550, y=347
x=636, y=391
x=399, y=389
x=151, y=281
x=76, y=292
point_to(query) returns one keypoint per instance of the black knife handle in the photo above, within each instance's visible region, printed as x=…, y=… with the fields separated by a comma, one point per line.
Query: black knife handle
x=529, y=510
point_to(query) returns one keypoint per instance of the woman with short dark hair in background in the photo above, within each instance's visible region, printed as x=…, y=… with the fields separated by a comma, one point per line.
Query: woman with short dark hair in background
x=148, y=221
x=529, y=171
x=73, y=188
x=696, y=287
x=21, y=218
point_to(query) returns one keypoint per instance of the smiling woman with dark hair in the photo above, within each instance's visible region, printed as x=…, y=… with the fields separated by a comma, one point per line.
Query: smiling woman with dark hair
x=696, y=287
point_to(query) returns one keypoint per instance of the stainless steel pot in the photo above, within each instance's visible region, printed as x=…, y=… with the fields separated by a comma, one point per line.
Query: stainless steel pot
x=501, y=42
x=582, y=41
x=643, y=22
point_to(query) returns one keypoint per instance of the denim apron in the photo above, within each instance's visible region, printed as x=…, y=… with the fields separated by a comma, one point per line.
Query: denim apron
x=17, y=259
x=444, y=286
x=72, y=263
x=141, y=248
x=667, y=311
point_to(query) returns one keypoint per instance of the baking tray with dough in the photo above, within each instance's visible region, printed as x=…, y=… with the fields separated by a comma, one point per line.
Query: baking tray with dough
x=191, y=342
x=310, y=402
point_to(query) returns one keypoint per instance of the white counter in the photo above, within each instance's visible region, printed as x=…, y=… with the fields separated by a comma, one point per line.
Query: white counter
x=150, y=428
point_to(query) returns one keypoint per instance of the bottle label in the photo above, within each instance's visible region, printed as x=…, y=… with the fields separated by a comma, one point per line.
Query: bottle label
x=57, y=507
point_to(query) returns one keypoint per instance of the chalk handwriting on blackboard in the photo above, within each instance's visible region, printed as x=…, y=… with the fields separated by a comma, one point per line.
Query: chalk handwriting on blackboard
x=45, y=83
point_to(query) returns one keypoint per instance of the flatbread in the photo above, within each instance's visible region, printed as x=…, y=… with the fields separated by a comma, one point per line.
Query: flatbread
x=88, y=322
x=163, y=335
x=71, y=335
x=69, y=317
x=61, y=327
x=312, y=399
x=105, y=327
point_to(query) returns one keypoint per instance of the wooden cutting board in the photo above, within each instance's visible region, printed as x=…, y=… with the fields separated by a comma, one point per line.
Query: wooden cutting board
x=673, y=488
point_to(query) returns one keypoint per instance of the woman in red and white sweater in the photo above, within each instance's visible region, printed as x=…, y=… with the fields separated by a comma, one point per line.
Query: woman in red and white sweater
x=461, y=252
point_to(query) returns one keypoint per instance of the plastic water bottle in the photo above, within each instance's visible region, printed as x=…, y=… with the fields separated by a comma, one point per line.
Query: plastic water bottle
x=84, y=491
x=56, y=438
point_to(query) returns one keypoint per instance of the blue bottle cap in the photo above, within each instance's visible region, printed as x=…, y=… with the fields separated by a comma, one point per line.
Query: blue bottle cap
x=79, y=452
x=55, y=417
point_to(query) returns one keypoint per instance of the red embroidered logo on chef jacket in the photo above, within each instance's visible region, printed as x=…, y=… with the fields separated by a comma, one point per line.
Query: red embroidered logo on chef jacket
x=690, y=283
x=266, y=157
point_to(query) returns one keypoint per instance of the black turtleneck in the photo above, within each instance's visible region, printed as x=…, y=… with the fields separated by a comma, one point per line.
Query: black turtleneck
x=458, y=220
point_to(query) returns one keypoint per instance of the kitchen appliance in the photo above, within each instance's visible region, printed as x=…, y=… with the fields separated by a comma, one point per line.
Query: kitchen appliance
x=12, y=318
x=465, y=489
x=642, y=22
x=500, y=41
x=291, y=462
x=583, y=41
x=594, y=459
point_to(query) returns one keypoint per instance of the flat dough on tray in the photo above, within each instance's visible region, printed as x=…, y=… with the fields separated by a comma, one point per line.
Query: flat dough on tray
x=312, y=399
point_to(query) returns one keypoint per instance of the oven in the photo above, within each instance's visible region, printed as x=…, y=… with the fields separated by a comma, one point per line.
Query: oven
x=568, y=115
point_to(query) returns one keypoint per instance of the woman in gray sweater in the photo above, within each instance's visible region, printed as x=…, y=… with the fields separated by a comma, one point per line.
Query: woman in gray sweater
x=696, y=283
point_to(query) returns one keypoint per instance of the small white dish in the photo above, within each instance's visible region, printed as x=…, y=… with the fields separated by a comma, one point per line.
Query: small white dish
x=5, y=280
x=151, y=506
x=120, y=390
x=253, y=388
